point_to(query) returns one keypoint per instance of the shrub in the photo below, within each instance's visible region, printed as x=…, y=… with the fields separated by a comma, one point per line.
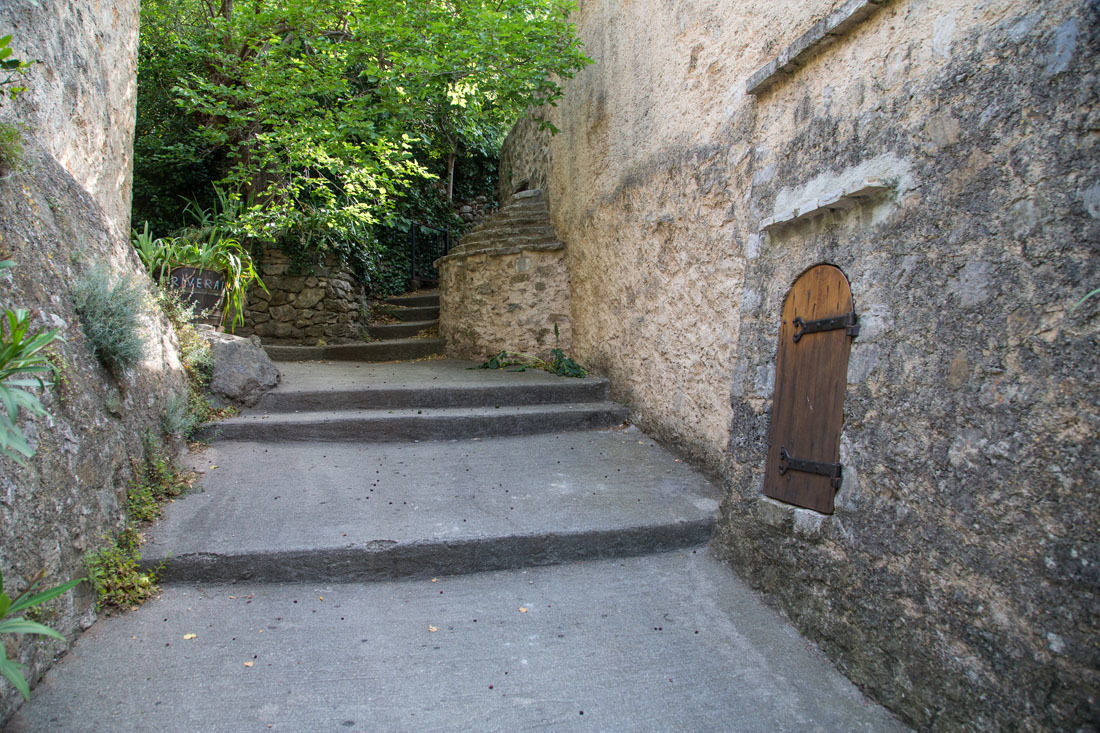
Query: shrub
x=115, y=573
x=108, y=311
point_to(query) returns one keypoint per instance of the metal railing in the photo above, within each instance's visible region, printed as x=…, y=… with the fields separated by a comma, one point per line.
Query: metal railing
x=425, y=249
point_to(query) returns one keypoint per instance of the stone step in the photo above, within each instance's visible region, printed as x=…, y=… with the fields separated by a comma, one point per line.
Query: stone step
x=506, y=239
x=328, y=512
x=312, y=387
x=419, y=300
x=409, y=424
x=417, y=313
x=391, y=350
x=667, y=642
x=403, y=330
x=497, y=224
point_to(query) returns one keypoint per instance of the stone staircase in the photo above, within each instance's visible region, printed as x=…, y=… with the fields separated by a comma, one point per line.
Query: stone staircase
x=453, y=433
x=523, y=223
x=429, y=546
x=395, y=341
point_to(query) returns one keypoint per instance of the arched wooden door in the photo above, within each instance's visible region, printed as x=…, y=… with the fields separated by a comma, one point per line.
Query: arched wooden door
x=811, y=373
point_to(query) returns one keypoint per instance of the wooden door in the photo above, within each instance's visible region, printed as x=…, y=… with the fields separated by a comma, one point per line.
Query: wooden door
x=811, y=373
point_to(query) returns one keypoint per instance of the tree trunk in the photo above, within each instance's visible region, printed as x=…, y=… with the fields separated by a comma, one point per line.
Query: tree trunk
x=451, y=177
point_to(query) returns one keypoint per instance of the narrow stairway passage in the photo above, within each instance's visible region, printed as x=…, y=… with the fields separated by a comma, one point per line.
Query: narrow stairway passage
x=514, y=579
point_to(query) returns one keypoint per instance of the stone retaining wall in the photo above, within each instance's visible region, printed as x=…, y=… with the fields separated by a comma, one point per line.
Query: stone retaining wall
x=322, y=306
x=505, y=300
x=64, y=211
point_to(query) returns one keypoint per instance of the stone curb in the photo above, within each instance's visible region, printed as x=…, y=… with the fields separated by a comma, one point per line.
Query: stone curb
x=385, y=560
x=391, y=350
x=592, y=389
x=410, y=425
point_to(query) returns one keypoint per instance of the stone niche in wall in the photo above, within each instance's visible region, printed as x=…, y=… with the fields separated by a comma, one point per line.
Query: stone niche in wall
x=506, y=286
x=321, y=305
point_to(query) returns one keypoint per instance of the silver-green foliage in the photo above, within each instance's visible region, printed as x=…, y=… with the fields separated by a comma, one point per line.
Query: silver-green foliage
x=23, y=364
x=109, y=310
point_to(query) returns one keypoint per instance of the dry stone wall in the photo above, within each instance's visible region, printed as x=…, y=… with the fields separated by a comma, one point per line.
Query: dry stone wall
x=64, y=211
x=324, y=305
x=957, y=581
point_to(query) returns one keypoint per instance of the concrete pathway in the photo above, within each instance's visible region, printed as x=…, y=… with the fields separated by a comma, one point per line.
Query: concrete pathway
x=544, y=578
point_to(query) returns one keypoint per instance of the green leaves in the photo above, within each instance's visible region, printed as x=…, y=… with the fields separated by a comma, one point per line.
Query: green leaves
x=317, y=108
x=9, y=624
x=10, y=69
x=22, y=366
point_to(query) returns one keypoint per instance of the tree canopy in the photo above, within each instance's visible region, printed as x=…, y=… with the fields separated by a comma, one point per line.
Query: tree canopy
x=321, y=113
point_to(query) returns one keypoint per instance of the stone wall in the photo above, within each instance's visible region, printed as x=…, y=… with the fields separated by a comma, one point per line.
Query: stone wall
x=62, y=212
x=493, y=301
x=524, y=157
x=83, y=91
x=957, y=581
x=324, y=305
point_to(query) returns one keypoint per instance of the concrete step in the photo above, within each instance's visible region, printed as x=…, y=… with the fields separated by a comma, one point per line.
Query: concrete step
x=444, y=423
x=668, y=642
x=418, y=313
x=311, y=386
x=391, y=350
x=405, y=329
x=321, y=512
x=423, y=299
x=507, y=239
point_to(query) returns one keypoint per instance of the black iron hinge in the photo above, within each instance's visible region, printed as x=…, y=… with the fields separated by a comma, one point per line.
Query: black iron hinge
x=789, y=463
x=848, y=322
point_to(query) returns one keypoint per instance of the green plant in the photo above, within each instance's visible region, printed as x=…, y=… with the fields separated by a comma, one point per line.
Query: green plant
x=108, y=311
x=1088, y=295
x=22, y=364
x=11, y=69
x=11, y=146
x=116, y=574
x=10, y=623
x=559, y=363
x=176, y=417
x=206, y=246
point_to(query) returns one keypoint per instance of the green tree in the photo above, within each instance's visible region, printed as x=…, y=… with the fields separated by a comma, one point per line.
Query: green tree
x=318, y=113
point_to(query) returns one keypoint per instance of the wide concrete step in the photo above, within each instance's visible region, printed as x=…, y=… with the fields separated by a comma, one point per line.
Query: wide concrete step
x=320, y=512
x=391, y=350
x=406, y=329
x=433, y=383
x=668, y=642
x=445, y=423
x=423, y=299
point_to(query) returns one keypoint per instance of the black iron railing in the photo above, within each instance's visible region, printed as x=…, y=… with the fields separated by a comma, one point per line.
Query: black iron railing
x=426, y=245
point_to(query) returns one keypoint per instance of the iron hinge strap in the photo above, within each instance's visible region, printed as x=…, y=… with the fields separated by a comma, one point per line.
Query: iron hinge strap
x=789, y=463
x=848, y=322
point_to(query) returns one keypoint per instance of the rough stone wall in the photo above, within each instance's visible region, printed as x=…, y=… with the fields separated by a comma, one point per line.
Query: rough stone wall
x=524, y=157
x=63, y=211
x=505, y=301
x=83, y=91
x=957, y=581
x=476, y=210
x=72, y=492
x=324, y=305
